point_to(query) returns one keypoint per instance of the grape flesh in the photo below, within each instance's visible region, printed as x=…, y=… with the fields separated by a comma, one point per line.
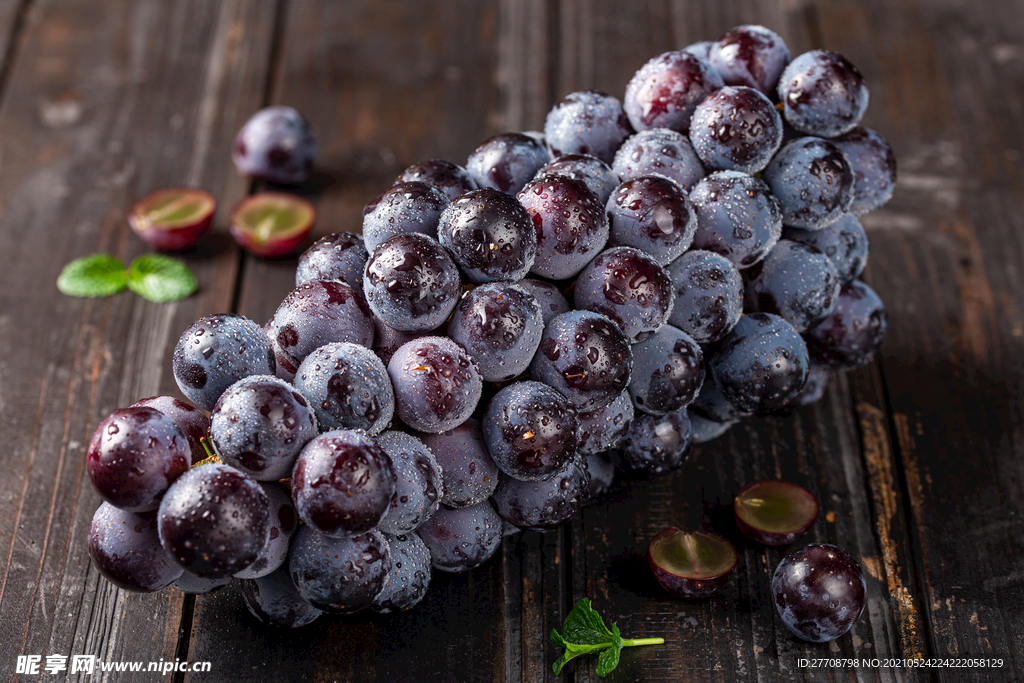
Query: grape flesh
x=823, y=94
x=347, y=387
x=460, y=539
x=530, y=431
x=274, y=600
x=544, y=505
x=844, y=243
x=500, y=325
x=737, y=217
x=467, y=469
x=736, y=129
x=437, y=384
x=419, y=483
x=708, y=295
x=411, y=283
x=409, y=578
x=658, y=151
x=874, y=168
x=655, y=444
x=213, y=521
x=797, y=283
x=403, y=208
x=850, y=336
x=276, y=144
x=259, y=425
x=666, y=90
x=338, y=256
x=604, y=428
x=812, y=181
x=591, y=171
x=586, y=122
x=507, y=162
x=570, y=225
x=490, y=235
x=215, y=352
x=750, y=55
x=668, y=371
x=126, y=549
x=653, y=214
x=134, y=457
x=819, y=592
x=446, y=176
x=339, y=574
x=630, y=288
x=193, y=422
x=551, y=300
x=284, y=521
x=343, y=483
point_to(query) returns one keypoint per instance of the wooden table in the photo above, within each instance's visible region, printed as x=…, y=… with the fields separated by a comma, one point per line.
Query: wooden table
x=917, y=459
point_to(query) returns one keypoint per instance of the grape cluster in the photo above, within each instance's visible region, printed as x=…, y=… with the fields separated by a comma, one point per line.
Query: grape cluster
x=502, y=336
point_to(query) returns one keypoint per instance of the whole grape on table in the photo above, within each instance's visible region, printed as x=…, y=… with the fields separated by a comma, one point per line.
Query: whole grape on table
x=636, y=278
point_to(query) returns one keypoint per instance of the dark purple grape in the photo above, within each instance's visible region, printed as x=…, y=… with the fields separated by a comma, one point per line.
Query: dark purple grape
x=460, y=539
x=437, y=384
x=667, y=89
x=655, y=444
x=530, y=431
x=736, y=129
x=387, y=340
x=339, y=574
x=604, y=428
x=873, y=165
x=411, y=283
x=658, y=151
x=446, y=176
x=419, y=483
x=668, y=371
x=705, y=430
x=197, y=585
x=844, y=243
x=708, y=295
x=712, y=404
x=490, y=235
x=591, y=171
x=544, y=505
x=797, y=283
x=276, y=144
x=500, y=325
x=274, y=600
x=467, y=469
x=823, y=94
x=409, y=578
x=193, y=422
x=819, y=591
x=259, y=425
x=586, y=357
x=217, y=351
x=762, y=365
x=506, y=162
x=315, y=314
x=586, y=122
x=213, y=521
x=338, y=256
x=551, y=300
x=343, y=483
x=347, y=387
x=602, y=473
x=851, y=335
x=630, y=288
x=126, y=549
x=750, y=55
x=134, y=457
x=737, y=217
x=653, y=214
x=570, y=225
x=701, y=49
x=284, y=521
x=403, y=208
x=817, y=383
x=812, y=181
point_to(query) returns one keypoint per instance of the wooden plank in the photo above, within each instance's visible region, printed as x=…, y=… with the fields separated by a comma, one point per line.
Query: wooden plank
x=101, y=107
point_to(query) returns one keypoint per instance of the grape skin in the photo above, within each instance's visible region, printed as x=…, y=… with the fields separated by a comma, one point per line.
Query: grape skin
x=409, y=578
x=339, y=574
x=468, y=471
x=736, y=129
x=708, y=295
x=591, y=171
x=586, y=122
x=850, y=336
x=668, y=371
x=347, y=387
x=460, y=539
x=812, y=181
x=338, y=256
x=403, y=208
x=419, y=483
x=874, y=168
x=750, y=55
x=437, y=384
x=500, y=325
x=126, y=548
x=507, y=162
x=544, y=505
x=653, y=214
x=658, y=151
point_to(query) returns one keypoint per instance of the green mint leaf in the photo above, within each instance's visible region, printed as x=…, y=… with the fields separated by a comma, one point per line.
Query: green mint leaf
x=93, y=276
x=584, y=625
x=160, y=278
x=608, y=659
x=584, y=632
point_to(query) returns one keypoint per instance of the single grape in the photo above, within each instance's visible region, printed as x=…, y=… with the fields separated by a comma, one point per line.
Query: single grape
x=500, y=325
x=570, y=225
x=819, y=592
x=812, y=181
x=655, y=444
x=737, y=217
x=668, y=371
x=874, y=168
x=750, y=55
x=591, y=171
x=259, y=425
x=708, y=295
x=506, y=162
x=797, y=283
x=276, y=144
x=586, y=122
x=544, y=505
x=347, y=387
x=468, y=471
x=338, y=256
x=736, y=129
x=604, y=428
x=817, y=383
x=274, y=600
x=284, y=520
x=419, y=483
x=822, y=94
x=437, y=384
x=217, y=351
x=653, y=214
x=844, y=243
x=411, y=283
x=658, y=151
x=705, y=430
x=213, y=521
x=339, y=574
x=460, y=539
x=403, y=208
x=197, y=585
x=126, y=549
x=602, y=473
x=666, y=90
x=409, y=578
x=551, y=300
x=192, y=421
x=134, y=457
x=490, y=236
x=850, y=336
x=343, y=483
x=446, y=176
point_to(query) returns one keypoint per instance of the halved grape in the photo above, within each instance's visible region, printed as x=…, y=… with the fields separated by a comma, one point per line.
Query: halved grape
x=272, y=224
x=691, y=564
x=174, y=218
x=774, y=512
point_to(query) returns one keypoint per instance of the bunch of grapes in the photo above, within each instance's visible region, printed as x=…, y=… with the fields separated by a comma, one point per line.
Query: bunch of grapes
x=503, y=336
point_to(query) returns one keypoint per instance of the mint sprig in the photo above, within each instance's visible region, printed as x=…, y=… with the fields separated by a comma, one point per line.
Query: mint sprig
x=154, y=277
x=584, y=633
x=93, y=276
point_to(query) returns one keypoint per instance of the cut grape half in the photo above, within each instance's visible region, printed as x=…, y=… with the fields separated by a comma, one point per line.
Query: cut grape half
x=691, y=564
x=174, y=218
x=272, y=224
x=774, y=512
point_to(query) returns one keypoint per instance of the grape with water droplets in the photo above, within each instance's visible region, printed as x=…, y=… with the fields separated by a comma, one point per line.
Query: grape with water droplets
x=403, y=208
x=409, y=578
x=658, y=151
x=460, y=539
x=126, y=549
x=437, y=384
x=467, y=469
x=192, y=421
x=668, y=371
x=750, y=55
x=819, y=592
x=708, y=295
x=591, y=171
x=551, y=300
x=604, y=428
x=419, y=483
x=666, y=90
x=844, y=243
x=284, y=521
x=653, y=214
x=850, y=336
x=506, y=162
x=874, y=168
x=655, y=444
x=570, y=225
x=274, y=600
x=446, y=176
x=347, y=387
x=812, y=181
x=544, y=505
x=338, y=256
x=797, y=283
x=737, y=217
x=822, y=93
x=736, y=129
x=339, y=574
x=586, y=122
